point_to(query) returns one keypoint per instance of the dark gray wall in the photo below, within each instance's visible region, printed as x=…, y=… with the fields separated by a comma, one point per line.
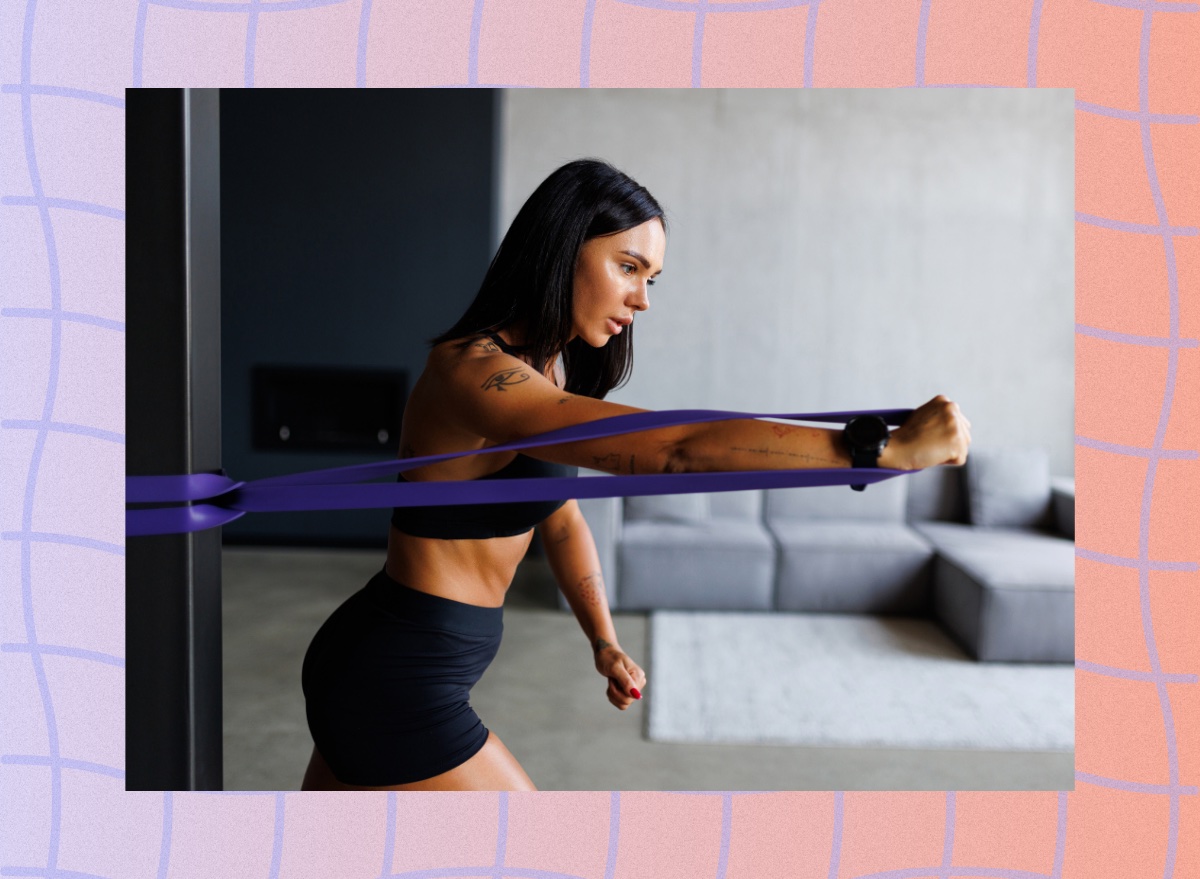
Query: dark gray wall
x=355, y=224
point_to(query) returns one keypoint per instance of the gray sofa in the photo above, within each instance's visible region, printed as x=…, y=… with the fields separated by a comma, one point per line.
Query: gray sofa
x=986, y=550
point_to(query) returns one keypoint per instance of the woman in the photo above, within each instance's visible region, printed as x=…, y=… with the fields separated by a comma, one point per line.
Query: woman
x=386, y=678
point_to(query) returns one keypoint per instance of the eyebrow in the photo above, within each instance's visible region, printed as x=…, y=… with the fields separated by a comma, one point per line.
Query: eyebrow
x=645, y=262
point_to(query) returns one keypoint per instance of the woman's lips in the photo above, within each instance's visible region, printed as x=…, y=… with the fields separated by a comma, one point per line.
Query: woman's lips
x=614, y=327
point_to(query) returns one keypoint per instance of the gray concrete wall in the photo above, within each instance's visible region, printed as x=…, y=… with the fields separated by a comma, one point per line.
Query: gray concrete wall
x=841, y=249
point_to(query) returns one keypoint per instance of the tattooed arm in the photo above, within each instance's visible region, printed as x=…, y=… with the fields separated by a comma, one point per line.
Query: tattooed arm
x=571, y=553
x=499, y=397
x=936, y=433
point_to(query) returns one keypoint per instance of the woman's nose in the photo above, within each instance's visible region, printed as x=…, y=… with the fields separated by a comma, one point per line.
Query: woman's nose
x=641, y=298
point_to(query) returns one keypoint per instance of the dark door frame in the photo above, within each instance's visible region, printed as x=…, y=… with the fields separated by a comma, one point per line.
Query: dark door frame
x=173, y=425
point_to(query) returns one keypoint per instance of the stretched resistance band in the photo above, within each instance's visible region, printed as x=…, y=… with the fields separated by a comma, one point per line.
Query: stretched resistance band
x=214, y=499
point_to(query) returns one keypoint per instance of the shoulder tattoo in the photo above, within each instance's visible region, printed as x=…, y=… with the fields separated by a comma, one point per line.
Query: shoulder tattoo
x=506, y=378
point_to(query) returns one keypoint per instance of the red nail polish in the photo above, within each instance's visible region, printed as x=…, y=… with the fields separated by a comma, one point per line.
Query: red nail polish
x=636, y=693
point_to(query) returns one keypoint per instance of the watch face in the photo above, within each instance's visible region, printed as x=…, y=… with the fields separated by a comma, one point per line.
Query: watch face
x=866, y=431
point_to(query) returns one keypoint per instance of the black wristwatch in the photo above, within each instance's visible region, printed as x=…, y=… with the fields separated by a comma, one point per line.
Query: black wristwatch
x=865, y=436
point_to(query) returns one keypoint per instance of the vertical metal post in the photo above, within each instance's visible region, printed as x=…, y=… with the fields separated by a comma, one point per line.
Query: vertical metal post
x=173, y=393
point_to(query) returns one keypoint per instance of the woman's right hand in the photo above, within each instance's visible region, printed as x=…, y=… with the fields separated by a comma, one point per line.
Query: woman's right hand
x=937, y=433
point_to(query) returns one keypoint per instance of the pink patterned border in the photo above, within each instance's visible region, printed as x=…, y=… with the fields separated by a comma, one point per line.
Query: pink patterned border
x=63, y=71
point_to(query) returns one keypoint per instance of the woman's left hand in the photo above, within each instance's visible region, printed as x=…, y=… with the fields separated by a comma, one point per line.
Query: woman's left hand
x=626, y=680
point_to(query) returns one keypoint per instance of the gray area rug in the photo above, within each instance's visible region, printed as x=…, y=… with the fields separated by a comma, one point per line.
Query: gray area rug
x=856, y=681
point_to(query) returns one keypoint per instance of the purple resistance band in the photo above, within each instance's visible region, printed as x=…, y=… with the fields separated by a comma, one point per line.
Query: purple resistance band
x=342, y=488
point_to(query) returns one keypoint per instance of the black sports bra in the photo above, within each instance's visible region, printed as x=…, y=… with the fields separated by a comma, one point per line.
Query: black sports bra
x=475, y=521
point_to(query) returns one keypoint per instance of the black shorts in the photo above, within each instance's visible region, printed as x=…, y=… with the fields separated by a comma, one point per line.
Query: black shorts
x=386, y=680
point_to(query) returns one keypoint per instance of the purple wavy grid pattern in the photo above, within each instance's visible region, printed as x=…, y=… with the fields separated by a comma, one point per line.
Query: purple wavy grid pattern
x=252, y=10
x=1167, y=232
x=35, y=768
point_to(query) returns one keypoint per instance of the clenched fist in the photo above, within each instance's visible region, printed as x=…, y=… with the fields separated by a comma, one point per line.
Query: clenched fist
x=625, y=677
x=937, y=433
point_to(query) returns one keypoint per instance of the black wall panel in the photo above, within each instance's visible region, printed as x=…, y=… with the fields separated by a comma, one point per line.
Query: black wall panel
x=355, y=225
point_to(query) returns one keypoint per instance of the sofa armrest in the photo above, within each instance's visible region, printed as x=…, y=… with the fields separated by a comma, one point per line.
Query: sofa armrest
x=1062, y=495
x=603, y=515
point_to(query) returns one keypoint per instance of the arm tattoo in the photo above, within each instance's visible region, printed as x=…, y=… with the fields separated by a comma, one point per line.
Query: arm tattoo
x=782, y=430
x=591, y=590
x=778, y=453
x=607, y=462
x=489, y=347
x=600, y=645
x=506, y=378
x=763, y=451
x=563, y=400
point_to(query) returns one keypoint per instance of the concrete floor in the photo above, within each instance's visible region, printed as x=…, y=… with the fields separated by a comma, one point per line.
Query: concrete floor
x=542, y=696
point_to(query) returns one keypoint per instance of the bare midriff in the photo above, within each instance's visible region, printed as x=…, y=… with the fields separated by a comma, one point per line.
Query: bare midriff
x=471, y=571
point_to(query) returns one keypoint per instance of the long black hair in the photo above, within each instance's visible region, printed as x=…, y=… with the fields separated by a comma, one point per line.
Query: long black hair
x=530, y=281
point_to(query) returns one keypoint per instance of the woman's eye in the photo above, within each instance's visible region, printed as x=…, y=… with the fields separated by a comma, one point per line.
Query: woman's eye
x=650, y=282
x=628, y=269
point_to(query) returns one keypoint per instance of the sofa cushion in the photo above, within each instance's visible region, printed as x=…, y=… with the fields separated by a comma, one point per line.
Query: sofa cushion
x=1011, y=557
x=851, y=567
x=937, y=494
x=744, y=505
x=1007, y=595
x=720, y=565
x=1008, y=488
x=668, y=508
x=883, y=501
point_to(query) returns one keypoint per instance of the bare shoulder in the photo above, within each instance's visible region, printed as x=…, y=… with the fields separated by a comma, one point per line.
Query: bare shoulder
x=475, y=361
x=491, y=394
x=456, y=352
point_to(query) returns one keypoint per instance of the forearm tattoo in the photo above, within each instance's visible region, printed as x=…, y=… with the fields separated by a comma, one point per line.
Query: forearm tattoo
x=591, y=590
x=506, y=378
x=780, y=453
x=606, y=462
x=564, y=400
x=600, y=645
